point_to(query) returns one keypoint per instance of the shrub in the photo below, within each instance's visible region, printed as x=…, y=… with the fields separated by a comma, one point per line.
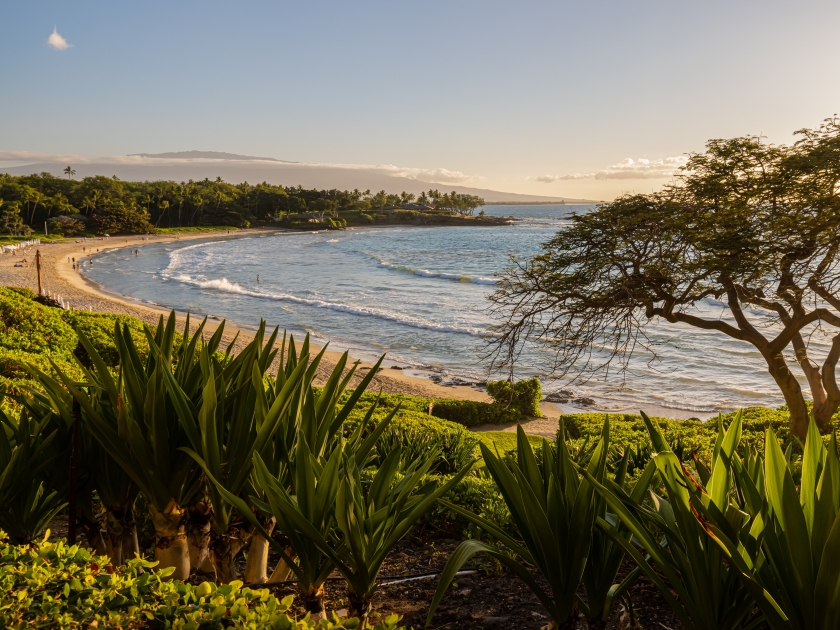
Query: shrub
x=471, y=413
x=365, y=218
x=418, y=435
x=56, y=585
x=628, y=430
x=99, y=329
x=523, y=396
x=120, y=219
x=477, y=493
x=31, y=333
x=36, y=334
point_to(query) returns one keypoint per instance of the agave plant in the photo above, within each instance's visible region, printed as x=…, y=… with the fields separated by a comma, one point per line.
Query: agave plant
x=363, y=528
x=316, y=415
x=784, y=544
x=554, y=511
x=309, y=472
x=669, y=542
x=134, y=420
x=372, y=524
x=98, y=473
x=232, y=423
x=26, y=503
x=606, y=555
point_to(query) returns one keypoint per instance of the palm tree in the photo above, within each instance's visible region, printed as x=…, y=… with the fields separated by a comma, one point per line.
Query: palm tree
x=164, y=206
x=69, y=172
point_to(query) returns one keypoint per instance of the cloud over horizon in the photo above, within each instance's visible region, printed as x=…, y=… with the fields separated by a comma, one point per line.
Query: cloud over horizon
x=57, y=41
x=427, y=175
x=628, y=168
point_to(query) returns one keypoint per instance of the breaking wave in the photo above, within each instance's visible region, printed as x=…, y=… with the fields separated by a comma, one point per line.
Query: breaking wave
x=226, y=286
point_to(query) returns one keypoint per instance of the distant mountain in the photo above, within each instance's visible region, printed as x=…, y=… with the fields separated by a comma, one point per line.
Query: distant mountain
x=206, y=155
x=182, y=166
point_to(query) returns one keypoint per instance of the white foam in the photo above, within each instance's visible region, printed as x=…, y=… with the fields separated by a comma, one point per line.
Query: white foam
x=226, y=286
x=425, y=273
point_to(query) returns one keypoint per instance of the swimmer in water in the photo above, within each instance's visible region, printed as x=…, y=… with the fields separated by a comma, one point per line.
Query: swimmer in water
x=258, y=278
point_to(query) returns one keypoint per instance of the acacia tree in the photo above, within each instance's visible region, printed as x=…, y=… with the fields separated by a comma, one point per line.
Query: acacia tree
x=745, y=223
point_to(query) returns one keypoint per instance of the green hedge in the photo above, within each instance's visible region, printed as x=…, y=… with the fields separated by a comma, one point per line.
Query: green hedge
x=33, y=333
x=54, y=585
x=694, y=435
x=471, y=413
x=522, y=396
x=468, y=413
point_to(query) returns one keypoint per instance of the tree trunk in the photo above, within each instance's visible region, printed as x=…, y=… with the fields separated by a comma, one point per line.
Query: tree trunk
x=829, y=406
x=792, y=392
x=359, y=607
x=256, y=568
x=171, y=548
x=223, y=551
x=120, y=533
x=313, y=602
x=199, y=516
x=282, y=571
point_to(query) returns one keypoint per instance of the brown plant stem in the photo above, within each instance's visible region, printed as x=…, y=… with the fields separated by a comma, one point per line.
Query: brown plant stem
x=171, y=548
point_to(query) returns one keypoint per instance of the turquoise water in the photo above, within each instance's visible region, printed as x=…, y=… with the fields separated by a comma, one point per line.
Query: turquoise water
x=419, y=295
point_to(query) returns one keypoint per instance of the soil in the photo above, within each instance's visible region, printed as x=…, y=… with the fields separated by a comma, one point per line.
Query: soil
x=490, y=598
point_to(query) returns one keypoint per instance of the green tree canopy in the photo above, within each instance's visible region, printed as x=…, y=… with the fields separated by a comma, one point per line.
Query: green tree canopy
x=745, y=222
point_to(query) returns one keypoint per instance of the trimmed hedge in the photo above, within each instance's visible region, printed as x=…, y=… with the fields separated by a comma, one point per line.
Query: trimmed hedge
x=522, y=396
x=471, y=413
x=468, y=413
x=52, y=584
x=628, y=430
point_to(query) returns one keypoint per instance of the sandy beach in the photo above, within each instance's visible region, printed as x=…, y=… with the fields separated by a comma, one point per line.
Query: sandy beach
x=58, y=277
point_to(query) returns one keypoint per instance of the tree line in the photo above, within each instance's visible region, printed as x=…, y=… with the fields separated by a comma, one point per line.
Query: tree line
x=108, y=204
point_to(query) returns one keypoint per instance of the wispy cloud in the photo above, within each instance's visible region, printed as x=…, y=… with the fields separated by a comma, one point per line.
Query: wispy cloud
x=32, y=156
x=429, y=175
x=57, y=41
x=628, y=168
x=439, y=175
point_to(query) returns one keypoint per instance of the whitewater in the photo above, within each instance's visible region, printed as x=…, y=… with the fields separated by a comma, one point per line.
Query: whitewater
x=419, y=295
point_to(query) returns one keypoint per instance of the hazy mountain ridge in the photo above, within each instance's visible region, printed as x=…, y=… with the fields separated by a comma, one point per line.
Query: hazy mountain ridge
x=234, y=168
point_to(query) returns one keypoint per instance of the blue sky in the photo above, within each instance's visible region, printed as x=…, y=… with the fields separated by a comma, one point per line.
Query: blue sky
x=500, y=94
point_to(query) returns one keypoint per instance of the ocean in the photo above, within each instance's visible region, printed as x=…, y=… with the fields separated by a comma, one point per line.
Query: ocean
x=419, y=296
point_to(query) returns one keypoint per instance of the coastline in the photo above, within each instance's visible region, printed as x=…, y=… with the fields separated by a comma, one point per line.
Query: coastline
x=85, y=294
x=82, y=293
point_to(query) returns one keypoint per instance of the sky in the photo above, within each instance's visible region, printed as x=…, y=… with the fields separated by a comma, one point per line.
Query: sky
x=578, y=99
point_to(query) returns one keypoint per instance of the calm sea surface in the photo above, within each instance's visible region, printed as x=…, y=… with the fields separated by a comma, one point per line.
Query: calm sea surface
x=419, y=295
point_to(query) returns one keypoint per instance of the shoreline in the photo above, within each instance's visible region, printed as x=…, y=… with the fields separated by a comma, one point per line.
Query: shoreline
x=58, y=277
x=86, y=294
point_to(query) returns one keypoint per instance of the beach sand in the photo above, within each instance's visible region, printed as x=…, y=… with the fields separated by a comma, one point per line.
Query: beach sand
x=58, y=277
